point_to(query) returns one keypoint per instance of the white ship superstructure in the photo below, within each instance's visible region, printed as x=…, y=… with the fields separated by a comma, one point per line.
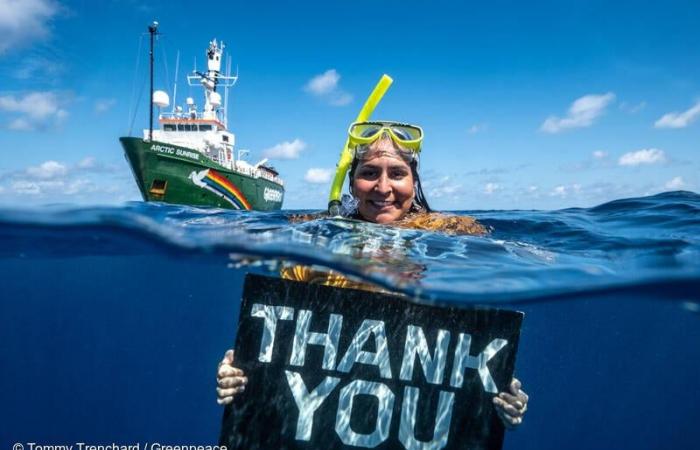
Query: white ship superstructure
x=205, y=130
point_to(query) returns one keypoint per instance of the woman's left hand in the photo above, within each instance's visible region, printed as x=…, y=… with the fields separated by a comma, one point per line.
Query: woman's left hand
x=511, y=406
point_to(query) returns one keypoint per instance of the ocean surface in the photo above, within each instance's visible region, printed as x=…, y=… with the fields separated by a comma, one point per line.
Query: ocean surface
x=113, y=319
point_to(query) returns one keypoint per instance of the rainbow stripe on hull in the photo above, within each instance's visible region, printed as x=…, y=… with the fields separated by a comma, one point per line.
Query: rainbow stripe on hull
x=179, y=175
x=213, y=181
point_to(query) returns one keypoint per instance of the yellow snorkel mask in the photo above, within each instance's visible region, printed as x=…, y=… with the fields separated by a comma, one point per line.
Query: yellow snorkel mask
x=405, y=136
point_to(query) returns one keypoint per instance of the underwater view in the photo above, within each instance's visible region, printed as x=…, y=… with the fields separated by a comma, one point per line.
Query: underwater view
x=331, y=225
x=113, y=319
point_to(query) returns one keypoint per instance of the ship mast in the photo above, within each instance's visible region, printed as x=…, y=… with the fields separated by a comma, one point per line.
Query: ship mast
x=211, y=79
x=152, y=31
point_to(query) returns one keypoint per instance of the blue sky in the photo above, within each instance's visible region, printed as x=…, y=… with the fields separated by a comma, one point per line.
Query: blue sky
x=546, y=105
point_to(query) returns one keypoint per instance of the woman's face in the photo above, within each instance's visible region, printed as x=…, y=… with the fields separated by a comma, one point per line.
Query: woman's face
x=383, y=183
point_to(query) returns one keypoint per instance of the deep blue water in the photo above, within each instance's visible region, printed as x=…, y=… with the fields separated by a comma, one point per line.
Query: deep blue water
x=112, y=320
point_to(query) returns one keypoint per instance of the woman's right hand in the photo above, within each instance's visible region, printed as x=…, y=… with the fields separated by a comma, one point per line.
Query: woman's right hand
x=229, y=380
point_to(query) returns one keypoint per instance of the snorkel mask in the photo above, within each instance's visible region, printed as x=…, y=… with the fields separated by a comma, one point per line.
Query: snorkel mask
x=405, y=136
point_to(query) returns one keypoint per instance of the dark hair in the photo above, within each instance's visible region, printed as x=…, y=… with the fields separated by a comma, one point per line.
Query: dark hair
x=420, y=204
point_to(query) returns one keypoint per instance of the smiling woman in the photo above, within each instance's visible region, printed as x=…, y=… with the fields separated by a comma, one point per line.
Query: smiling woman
x=385, y=183
x=383, y=175
x=386, y=188
x=382, y=181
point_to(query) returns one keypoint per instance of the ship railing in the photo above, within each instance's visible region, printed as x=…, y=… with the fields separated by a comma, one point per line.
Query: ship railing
x=256, y=173
x=192, y=115
x=221, y=161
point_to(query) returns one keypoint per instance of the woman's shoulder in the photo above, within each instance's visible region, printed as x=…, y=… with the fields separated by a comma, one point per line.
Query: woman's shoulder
x=444, y=223
x=428, y=221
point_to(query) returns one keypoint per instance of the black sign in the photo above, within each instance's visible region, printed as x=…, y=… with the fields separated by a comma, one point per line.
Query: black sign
x=343, y=368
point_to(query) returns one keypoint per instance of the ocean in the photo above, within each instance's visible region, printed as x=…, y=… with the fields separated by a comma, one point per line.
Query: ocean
x=113, y=319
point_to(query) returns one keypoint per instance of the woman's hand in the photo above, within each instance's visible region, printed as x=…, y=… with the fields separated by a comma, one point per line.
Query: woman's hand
x=229, y=380
x=511, y=406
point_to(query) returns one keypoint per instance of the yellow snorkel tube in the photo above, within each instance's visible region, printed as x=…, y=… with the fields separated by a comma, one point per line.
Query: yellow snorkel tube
x=346, y=155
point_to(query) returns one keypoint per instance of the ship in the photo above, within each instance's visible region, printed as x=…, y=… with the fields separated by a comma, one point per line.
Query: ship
x=190, y=159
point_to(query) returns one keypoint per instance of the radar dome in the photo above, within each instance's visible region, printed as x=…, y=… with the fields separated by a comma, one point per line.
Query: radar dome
x=161, y=99
x=215, y=99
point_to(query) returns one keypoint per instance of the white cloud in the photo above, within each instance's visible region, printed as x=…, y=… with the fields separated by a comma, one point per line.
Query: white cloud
x=26, y=187
x=90, y=165
x=34, y=66
x=20, y=124
x=87, y=163
x=285, y=150
x=676, y=183
x=678, y=120
x=582, y=113
x=477, y=128
x=632, y=109
x=48, y=170
x=440, y=187
x=54, y=170
x=24, y=21
x=318, y=176
x=532, y=191
x=490, y=188
x=599, y=159
x=36, y=188
x=326, y=87
x=323, y=84
x=79, y=186
x=340, y=99
x=563, y=191
x=58, y=181
x=104, y=104
x=559, y=191
x=35, y=110
x=37, y=105
x=644, y=156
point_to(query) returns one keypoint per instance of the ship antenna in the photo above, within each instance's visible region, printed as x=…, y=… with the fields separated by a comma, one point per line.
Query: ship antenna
x=152, y=30
x=177, y=66
x=228, y=74
x=134, y=107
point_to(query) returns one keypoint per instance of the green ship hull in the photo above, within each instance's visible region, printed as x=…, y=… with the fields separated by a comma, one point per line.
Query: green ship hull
x=172, y=174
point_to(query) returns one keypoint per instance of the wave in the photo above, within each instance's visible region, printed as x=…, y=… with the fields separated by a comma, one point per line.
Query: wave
x=646, y=246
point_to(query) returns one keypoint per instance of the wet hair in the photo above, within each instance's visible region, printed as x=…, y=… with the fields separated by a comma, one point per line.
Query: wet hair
x=420, y=204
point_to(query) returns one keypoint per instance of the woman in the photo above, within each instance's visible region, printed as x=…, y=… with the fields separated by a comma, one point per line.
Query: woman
x=386, y=189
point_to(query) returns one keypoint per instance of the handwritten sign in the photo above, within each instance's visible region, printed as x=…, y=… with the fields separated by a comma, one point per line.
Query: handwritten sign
x=342, y=368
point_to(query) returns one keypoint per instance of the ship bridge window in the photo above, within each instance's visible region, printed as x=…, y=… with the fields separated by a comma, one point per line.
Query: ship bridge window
x=180, y=127
x=225, y=138
x=169, y=127
x=205, y=128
